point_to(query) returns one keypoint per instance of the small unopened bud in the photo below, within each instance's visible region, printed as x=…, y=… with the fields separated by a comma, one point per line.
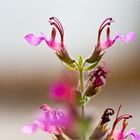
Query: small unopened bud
x=97, y=79
x=64, y=56
x=98, y=76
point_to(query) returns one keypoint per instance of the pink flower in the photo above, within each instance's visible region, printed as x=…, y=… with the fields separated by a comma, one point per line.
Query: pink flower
x=52, y=121
x=62, y=91
x=97, y=54
x=36, y=40
x=102, y=45
x=121, y=134
x=109, y=42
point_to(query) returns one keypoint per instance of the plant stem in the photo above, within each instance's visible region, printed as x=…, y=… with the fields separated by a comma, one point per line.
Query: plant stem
x=82, y=107
x=81, y=81
x=83, y=117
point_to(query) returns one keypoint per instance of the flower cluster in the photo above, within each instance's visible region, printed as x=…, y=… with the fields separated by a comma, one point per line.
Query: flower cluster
x=71, y=121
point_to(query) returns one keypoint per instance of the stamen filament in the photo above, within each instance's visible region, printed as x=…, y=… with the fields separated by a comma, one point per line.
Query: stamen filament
x=118, y=119
x=118, y=111
x=103, y=25
x=104, y=22
x=124, y=125
x=59, y=23
x=100, y=30
x=53, y=23
x=108, y=33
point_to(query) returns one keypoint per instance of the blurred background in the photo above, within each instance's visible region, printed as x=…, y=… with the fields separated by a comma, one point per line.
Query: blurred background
x=26, y=71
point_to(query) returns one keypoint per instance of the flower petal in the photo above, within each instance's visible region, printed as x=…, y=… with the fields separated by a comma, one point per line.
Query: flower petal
x=29, y=129
x=53, y=129
x=34, y=40
x=106, y=44
x=53, y=34
x=127, y=38
x=135, y=135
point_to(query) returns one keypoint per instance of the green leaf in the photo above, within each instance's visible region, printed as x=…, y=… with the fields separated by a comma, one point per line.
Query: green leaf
x=80, y=61
x=94, y=64
x=70, y=66
x=91, y=66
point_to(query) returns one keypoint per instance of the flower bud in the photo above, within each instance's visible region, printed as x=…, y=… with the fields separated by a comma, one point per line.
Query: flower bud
x=97, y=78
x=91, y=91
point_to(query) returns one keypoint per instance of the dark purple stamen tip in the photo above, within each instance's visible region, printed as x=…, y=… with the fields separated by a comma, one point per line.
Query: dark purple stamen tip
x=109, y=23
x=51, y=18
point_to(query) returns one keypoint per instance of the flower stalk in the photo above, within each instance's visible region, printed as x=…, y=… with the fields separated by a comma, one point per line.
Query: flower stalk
x=83, y=96
x=82, y=106
x=66, y=123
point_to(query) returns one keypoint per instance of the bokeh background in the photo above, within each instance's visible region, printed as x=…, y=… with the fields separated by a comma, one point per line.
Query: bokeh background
x=25, y=71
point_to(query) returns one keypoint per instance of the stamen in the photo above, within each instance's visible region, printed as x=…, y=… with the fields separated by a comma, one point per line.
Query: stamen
x=108, y=33
x=118, y=119
x=59, y=23
x=110, y=19
x=61, y=34
x=105, y=23
x=118, y=111
x=124, y=125
x=101, y=29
